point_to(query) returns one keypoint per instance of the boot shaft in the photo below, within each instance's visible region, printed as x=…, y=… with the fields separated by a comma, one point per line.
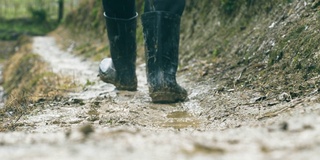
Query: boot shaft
x=161, y=34
x=122, y=41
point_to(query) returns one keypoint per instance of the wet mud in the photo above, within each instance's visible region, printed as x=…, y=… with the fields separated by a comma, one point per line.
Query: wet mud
x=99, y=122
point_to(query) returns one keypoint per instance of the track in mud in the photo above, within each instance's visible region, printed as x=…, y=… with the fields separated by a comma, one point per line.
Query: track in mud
x=101, y=123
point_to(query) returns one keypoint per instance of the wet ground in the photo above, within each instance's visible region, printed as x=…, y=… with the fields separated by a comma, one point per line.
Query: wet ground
x=98, y=122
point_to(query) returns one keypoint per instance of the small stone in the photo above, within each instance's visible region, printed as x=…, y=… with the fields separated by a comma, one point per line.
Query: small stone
x=86, y=130
x=284, y=97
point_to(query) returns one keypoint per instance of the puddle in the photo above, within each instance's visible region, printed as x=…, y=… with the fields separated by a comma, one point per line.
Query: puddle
x=180, y=119
x=180, y=124
x=179, y=114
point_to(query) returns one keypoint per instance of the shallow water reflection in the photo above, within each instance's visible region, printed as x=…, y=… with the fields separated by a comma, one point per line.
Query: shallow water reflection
x=180, y=119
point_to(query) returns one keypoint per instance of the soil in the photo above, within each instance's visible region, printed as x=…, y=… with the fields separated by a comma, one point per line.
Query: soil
x=99, y=122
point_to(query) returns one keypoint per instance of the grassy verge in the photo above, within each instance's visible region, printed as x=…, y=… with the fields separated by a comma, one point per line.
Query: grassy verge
x=14, y=28
x=6, y=49
x=21, y=8
x=27, y=82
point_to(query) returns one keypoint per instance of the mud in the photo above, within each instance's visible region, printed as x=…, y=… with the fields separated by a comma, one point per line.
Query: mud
x=99, y=122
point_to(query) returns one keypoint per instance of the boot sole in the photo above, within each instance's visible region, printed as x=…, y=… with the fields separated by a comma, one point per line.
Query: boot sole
x=167, y=97
x=126, y=88
x=119, y=86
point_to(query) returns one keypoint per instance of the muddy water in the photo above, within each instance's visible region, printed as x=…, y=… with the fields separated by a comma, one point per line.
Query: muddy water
x=180, y=120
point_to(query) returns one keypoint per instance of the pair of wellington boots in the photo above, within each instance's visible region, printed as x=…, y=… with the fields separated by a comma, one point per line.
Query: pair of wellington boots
x=161, y=34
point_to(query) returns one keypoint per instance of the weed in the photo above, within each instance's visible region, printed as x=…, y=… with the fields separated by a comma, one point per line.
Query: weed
x=12, y=29
x=16, y=9
x=229, y=6
x=38, y=15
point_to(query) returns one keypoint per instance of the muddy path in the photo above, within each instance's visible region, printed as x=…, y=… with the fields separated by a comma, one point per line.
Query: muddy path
x=98, y=122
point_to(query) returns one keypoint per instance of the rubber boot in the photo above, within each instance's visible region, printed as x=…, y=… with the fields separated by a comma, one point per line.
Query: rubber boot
x=120, y=71
x=161, y=33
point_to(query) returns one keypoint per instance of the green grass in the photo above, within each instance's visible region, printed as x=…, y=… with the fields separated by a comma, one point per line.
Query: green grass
x=13, y=28
x=11, y=9
x=30, y=17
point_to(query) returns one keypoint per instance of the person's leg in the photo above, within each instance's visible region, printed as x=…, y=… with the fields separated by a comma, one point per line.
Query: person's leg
x=121, y=21
x=171, y=6
x=161, y=27
x=122, y=9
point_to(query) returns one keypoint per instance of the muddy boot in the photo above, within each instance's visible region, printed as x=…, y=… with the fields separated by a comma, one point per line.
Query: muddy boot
x=120, y=71
x=161, y=33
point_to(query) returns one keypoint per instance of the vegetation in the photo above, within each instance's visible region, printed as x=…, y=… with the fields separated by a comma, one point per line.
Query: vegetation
x=11, y=9
x=30, y=17
x=11, y=29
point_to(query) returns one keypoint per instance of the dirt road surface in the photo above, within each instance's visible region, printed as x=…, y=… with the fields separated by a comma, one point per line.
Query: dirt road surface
x=102, y=123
